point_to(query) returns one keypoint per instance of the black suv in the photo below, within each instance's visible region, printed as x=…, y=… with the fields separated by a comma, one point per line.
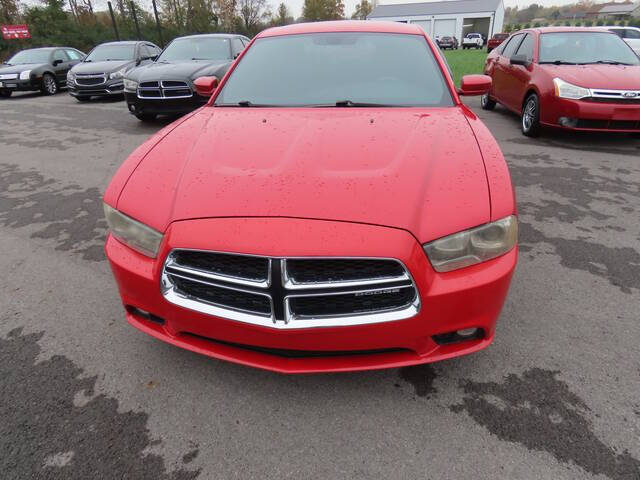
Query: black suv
x=101, y=73
x=165, y=87
x=43, y=69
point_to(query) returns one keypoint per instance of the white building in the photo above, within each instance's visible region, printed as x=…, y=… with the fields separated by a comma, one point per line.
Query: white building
x=453, y=18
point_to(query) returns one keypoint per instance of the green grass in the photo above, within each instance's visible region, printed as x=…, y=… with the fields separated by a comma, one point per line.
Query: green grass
x=464, y=62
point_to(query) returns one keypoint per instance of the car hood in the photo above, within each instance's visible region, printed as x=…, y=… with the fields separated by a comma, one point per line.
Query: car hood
x=176, y=70
x=20, y=68
x=416, y=169
x=102, y=67
x=612, y=77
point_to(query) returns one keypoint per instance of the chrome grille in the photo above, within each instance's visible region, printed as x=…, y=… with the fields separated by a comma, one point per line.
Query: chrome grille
x=164, y=89
x=616, y=96
x=290, y=292
x=8, y=76
x=90, y=79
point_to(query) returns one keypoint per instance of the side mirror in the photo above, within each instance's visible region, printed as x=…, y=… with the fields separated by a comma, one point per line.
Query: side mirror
x=205, y=86
x=474, y=85
x=57, y=62
x=519, y=60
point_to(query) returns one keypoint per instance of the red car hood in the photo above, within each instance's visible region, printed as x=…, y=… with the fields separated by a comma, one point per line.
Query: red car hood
x=415, y=169
x=612, y=77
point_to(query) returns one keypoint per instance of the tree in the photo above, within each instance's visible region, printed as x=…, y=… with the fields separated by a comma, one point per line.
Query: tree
x=363, y=9
x=282, y=16
x=318, y=10
x=8, y=11
x=252, y=12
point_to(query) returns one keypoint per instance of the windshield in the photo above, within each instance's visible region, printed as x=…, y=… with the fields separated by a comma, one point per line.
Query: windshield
x=325, y=69
x=197, y=48
x=111, y=52
x=30, y=56
x=585, y=48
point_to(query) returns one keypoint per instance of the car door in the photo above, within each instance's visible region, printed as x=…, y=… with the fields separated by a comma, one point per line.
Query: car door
x=502, y=70
x=518, y=76
x=61, y=64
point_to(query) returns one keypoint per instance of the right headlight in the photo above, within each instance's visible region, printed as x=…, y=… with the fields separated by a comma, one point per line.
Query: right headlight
x=137, y=235
x=130, y=85
x=473, y=246
x=567, y=90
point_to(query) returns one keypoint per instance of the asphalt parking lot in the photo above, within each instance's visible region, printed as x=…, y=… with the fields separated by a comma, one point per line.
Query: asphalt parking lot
x=84, y=395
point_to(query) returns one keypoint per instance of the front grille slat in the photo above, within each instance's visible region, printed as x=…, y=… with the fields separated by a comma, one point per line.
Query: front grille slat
x=290, y=292
x=165, y=89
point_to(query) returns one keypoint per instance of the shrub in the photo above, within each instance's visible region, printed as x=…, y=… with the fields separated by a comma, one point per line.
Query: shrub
x=588, y=23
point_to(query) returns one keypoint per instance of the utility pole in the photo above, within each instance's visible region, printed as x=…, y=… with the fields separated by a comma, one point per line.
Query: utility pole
x=113, y=19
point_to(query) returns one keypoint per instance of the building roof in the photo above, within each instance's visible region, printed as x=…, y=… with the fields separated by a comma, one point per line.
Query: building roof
x=435, y=8
x=619, y=8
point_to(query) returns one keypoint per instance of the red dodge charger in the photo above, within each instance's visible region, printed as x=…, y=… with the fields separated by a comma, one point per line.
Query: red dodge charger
x=333, y=207
x=571, y=78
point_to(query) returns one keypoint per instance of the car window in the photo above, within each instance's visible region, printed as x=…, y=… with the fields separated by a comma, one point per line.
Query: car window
x=617, y=31
x=585, y=48
x=510, y=47
x=145, y=52
x=526, y=47
x=109, y=52
x=74, y=55
x=322, y=69
x=60, y=55
x=197, y=48
x=237, y=46
x=631, y=33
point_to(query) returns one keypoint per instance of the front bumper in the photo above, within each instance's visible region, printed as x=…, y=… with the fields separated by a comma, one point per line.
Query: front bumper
x=468, y=298
x=163, y=106
x=590, y=115
x=17, y=85
x=108, y=89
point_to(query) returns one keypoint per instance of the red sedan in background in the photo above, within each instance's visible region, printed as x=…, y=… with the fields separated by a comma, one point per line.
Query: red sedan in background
x=495, y=41
x=570, y=78
x=320, y=218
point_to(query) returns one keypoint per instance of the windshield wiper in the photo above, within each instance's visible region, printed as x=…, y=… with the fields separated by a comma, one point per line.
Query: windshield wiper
x=350, y=103
x=607, y=62
x=560, y=62
x=244, y=103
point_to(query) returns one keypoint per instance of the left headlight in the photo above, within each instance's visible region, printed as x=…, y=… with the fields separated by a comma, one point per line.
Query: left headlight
x=137, y=235
x=567, y=90
x=473, y=246
x=130, y=85
x=70, y=76
x=25, y=75
x=118, y=74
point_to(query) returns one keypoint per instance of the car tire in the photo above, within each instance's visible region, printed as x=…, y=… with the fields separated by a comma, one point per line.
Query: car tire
x=146, y=117
x=5, y=93
x=49, y=85
x=486, y=103
x=530, y=118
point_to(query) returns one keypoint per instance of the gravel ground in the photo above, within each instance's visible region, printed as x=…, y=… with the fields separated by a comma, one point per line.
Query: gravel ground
x=83, y=395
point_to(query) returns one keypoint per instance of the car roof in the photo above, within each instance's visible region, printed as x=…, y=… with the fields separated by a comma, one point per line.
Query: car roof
x=212, y=35
x=559, y=29
x=125, y=42
x=343, y=26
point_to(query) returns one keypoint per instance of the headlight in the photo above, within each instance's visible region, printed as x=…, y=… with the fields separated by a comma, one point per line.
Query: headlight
x=473, y=246
x=25, y=75
x=130, y=85
x=70, y=76
x=567, y=90
x=135, y=234
x=118, y=74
